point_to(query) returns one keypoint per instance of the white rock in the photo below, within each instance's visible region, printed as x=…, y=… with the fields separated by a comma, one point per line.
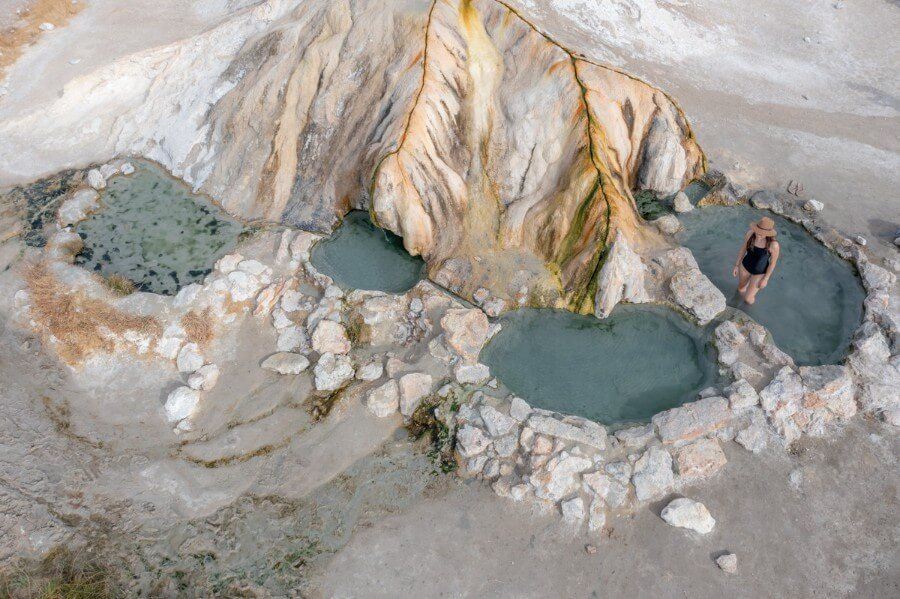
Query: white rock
x=416, y=305
x=636, y=437
x=95, y=179
x=127, y=169
x=620, y=279
x=860, y=240
x=256, y=268
x=330, y=337
x=228, y=263
x=385, y=400
x=473, y=374
x=813, y=206
x=46, y=26
x=332, y=372
x=682, y=202
x=481, y=295
x=741, y=395
x=291, y=300
x=587, y=432
x=286, y=363
x=727, y=563
x=181, y=404
x=280, y=319
x=753, y=438
x=109, y=170
x=668, y=224
x=77, y=208
x=292, y=338
x=471, y=441
x=506, y=446
x=205, y=378
x=559, y=479
x=694, y=292
x=414, y=387
x=496, y=422
x=465, y=331
x=371, y=371
x=242, y=286
x=189, y=358
x=611, y=491
x=597, y=512
x=572, y=510
x=653, y=476
x=519, y=409
x=690, y=514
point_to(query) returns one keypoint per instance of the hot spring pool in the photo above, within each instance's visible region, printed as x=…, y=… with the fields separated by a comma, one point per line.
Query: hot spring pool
x=359, y=255
x=626, y=368
x=153, y=231
x=814, y=300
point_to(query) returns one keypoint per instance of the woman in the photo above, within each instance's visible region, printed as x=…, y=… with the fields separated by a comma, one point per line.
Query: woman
x=757, y=258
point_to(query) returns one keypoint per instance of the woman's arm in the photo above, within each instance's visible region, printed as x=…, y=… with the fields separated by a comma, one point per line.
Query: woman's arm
x=774, y=251
x=737, y=263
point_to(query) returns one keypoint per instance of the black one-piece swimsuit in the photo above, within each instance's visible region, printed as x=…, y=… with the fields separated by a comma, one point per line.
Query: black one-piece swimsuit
x=756, y=260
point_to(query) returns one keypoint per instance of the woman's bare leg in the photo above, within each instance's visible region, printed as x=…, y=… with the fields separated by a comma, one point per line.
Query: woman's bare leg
x=753, y=288
x=743, y=279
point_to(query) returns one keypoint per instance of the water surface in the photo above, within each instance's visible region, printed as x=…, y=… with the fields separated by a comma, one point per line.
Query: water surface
x=359, y=255
x=814, y=299
x=155, y=232
x=626, y=368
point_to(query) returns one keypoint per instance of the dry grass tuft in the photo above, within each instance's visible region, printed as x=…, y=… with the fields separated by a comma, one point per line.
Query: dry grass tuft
x=63, y=574
x=119, y=285
x=199, y=327
x=82, y=325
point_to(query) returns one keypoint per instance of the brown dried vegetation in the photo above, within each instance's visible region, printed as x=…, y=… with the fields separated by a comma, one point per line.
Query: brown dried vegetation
x=199, y=327
x=28, y=28
x=82, y=325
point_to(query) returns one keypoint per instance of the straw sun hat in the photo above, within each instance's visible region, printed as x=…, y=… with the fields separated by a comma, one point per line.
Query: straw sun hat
x=765, y=227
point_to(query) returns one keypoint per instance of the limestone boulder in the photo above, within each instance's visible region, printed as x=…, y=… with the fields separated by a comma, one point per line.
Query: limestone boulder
x=559, y=478
x=689, y=514
x=333, y=372
x=78, y=207
x=694, y=292
x=189, y=358
x=692, y=420
x=205, y=378
x=577, y=430
x=621, y=279
x=496, y=422
x=385, y=400
x=330, y=337
x=181, y=403
x=699, y=460
x=286, y=363
x=828, y=388
x=471, y=441
x=471, y=374
x=653, y=476
x=414, y=387
x=465, y=332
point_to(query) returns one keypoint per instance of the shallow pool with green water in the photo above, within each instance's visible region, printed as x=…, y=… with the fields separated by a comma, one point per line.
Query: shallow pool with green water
x=155, y=232
x=359, y=255
x=814, y=300
x=626, y=368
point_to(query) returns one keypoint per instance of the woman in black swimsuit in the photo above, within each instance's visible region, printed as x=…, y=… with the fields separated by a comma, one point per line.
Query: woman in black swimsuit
x=757, y=259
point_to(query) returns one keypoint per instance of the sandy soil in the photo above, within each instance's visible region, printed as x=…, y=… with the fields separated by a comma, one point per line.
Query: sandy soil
x=834, y=535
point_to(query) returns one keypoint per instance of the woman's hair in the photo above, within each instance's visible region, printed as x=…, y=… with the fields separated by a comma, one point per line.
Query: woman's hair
x=769, y=240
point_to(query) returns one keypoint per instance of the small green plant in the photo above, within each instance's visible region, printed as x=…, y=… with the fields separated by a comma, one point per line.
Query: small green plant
x=119, y=285
x=649, y=206
x=62, y=574
x=431, y=418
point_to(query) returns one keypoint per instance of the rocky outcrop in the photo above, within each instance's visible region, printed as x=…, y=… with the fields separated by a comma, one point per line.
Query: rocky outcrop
x=495, y=152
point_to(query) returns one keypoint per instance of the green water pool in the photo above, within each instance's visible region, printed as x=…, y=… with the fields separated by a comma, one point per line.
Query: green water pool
x=626, y=368
x=359, y=255
x=154, y=231
x=814, y=300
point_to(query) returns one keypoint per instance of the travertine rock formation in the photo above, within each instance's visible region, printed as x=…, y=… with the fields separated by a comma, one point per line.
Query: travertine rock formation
x=504, y=159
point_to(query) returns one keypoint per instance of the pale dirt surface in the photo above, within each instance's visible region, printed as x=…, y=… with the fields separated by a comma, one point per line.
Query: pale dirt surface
x=836, y=536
